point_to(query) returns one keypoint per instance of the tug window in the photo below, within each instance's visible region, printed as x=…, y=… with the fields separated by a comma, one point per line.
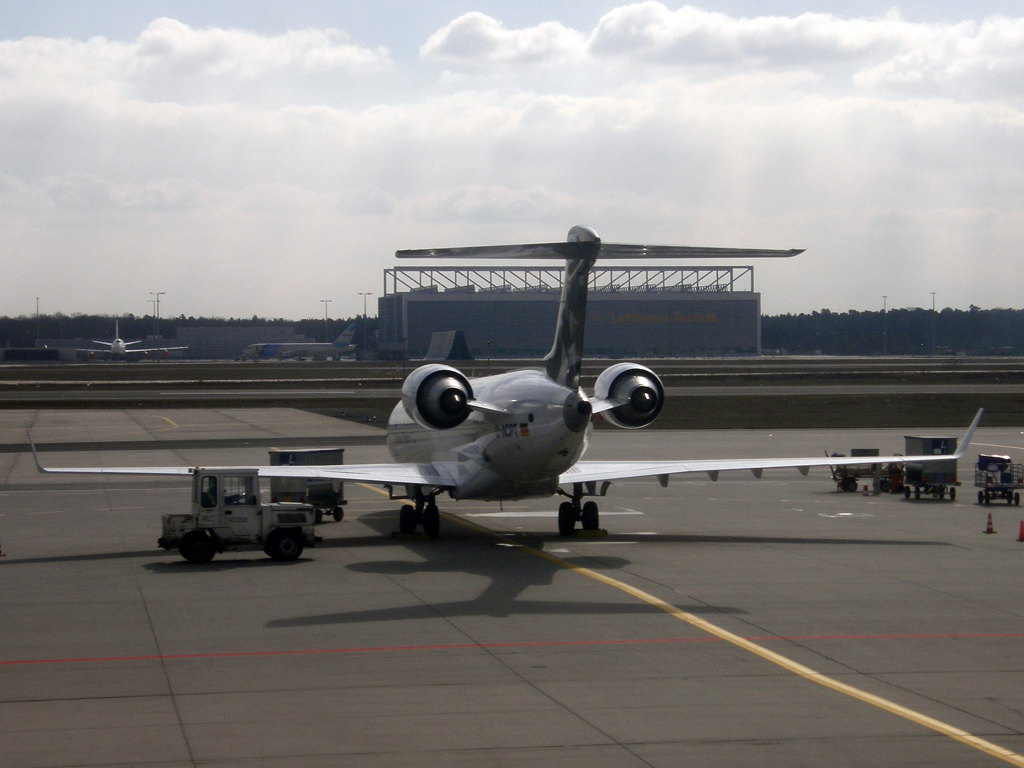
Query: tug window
x=208, y=493
x=238, y=490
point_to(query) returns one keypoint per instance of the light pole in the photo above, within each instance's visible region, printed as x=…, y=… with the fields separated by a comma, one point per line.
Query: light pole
x=364, y=295
x=885, y=336
x=156, y=315
x=325, y=302
x=933, y=322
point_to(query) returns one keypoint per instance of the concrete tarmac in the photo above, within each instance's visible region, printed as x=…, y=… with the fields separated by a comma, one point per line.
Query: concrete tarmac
x=505, y=648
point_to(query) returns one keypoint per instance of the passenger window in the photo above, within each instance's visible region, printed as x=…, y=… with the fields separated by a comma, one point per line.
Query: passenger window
x=208, y=493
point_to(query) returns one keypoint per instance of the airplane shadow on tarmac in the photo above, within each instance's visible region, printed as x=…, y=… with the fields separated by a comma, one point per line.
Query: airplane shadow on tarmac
x=510, y=574
x=384, y=523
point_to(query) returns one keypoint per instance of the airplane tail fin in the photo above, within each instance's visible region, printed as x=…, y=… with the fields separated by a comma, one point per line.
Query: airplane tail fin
x=562, y=364
x=345, y=339
x=580, y=251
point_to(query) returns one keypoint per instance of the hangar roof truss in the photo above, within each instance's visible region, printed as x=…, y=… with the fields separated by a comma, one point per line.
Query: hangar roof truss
x=549, y=279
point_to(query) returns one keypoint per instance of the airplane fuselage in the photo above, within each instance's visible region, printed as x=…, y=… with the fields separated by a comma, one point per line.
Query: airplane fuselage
x=513, y=455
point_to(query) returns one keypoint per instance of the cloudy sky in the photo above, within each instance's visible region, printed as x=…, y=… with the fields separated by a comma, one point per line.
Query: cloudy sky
x=255, y=157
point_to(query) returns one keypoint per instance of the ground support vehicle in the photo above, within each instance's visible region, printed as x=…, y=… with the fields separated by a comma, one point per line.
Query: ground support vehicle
x=227, y=515
x=998, y=478
x=885, y=478
x=326, y=496
x=935, y=478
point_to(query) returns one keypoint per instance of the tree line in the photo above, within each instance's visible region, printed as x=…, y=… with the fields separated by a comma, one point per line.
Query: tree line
x=896, y=332
x=23, y=331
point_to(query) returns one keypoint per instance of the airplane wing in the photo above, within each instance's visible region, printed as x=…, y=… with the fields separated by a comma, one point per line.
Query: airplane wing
x=441, y=475
x=436, y=475
x=598, y=471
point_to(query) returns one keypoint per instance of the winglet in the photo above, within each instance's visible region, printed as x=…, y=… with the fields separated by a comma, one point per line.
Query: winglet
x=35, y=456
x=961, y=450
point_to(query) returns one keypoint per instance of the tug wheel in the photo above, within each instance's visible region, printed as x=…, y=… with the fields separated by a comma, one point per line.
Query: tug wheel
x=197, y=547
x=284, y=544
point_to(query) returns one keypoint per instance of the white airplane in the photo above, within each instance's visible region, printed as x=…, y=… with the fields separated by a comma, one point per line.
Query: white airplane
x=522, y=434
x=119, y=349
x=285, y=349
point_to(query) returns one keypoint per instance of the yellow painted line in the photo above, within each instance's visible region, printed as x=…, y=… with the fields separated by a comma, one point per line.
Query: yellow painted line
x=167, y=429
x=789, y=665
x=375, y=489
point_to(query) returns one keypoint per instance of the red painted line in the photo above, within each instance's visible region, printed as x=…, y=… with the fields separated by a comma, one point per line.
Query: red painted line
x=486, y=646
x=369, y=649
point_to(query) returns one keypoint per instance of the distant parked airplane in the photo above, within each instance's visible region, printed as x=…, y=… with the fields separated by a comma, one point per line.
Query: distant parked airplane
x=281, y=350
x=118, y=349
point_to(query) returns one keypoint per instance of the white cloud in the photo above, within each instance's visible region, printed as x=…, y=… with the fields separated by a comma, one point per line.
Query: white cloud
x=491, y=204
x=967, y=59
x=476, y=39
x=891, y=150
x=690, y=36
x=962, y=60
x=85, y=192
x=171, y=61
x=175, y=49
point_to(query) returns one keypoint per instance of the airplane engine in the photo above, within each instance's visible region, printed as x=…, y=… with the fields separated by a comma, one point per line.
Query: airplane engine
x=437, y=396
x=639, y=387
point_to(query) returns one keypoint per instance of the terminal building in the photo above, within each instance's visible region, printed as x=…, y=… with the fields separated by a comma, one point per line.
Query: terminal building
x=631, y=311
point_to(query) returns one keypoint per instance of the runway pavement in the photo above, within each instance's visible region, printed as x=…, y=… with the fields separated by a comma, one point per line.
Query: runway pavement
x=502, y=643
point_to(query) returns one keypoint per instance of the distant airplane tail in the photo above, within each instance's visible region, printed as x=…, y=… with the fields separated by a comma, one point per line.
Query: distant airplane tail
x=345, y=339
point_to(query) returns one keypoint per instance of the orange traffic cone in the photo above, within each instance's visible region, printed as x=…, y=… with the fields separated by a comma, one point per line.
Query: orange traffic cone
x=989, y=528
x=1020, y=536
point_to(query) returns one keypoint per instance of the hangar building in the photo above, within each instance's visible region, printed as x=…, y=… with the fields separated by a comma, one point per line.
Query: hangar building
x=631, y=312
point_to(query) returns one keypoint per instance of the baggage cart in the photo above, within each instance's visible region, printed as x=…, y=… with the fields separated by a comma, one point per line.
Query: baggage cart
x=934, y=478
x=326, y=496
x=885, y=478
x=998, y=478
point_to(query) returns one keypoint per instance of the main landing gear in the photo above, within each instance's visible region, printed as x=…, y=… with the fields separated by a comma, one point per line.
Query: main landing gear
x=425, y=513
x=571, y=511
